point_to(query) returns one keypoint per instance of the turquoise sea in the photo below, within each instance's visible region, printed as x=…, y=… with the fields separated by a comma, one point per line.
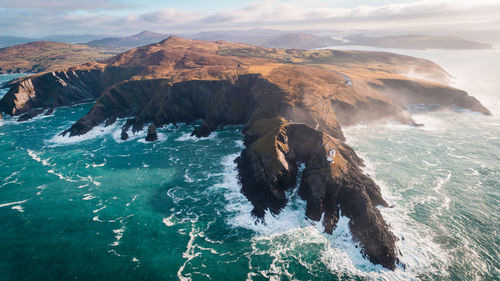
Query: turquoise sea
x=98, y=208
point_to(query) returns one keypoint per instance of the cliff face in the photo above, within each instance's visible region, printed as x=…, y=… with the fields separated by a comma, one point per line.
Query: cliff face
x=60, y=88
x=293, y=104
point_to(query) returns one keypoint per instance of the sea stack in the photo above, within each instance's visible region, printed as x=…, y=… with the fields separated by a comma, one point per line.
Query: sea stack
x=152, y=135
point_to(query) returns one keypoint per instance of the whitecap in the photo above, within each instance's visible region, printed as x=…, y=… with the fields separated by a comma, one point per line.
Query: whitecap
x=169, y=221
x=9, y=182
x=239, y=144
x=13, y=203
x=18, y=208
x=96, y=132
x=60, y=176
x=99, y=209
x=118, y=235
x=94, y=165
x=188, y=137
x=37, y=158
x=88, y=196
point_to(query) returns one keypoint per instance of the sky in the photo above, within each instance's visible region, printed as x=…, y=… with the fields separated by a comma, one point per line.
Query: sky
x=38, y=18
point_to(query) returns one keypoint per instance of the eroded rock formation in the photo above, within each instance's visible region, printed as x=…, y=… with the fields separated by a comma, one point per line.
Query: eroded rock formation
x=292, y=102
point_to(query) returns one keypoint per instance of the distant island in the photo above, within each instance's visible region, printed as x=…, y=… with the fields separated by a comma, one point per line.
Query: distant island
x=293, y=104
x=416, y=42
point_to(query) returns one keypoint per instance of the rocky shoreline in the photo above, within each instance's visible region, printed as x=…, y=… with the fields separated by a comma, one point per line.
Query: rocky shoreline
x=291, y=102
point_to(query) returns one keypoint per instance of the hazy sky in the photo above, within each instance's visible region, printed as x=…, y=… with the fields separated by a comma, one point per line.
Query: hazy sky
x=36, y=18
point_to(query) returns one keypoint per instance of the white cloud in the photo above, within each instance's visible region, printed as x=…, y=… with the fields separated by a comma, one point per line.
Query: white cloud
x=62, y=5
x=296, y=15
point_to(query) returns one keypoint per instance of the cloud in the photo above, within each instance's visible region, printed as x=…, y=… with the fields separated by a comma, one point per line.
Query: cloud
x=292, y=15
x=64, y=5
x=168, y=16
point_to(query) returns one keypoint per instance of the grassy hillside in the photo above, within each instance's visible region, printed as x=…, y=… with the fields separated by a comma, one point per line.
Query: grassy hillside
x=46, y=56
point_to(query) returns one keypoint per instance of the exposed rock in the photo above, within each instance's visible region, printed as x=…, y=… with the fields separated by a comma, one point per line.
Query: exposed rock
x=268, y=167
x=151, y=136
x=124, y=135
x=292, y=102
x=50, y=111
x=30, y=115
x=204, y=130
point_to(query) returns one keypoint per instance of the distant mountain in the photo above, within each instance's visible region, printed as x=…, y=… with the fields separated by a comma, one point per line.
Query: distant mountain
x=269, y=38
x=300, y=41
x=249, y=36
x=72, y=39
x=416, y=42
x=140, y=39
x=44, y=55
x=6, y=41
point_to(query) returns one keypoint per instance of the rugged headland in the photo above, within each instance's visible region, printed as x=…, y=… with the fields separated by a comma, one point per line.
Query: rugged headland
x=292, y=102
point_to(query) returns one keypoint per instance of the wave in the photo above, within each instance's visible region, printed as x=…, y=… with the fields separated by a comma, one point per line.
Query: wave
x=188, y=137
x=341, y=255
x=11, y=176
x=419, y=253
x=96, y=132
x=37, y=158
x=13, y=203
x=60, y=176
x=169, y=221
x=118, y=235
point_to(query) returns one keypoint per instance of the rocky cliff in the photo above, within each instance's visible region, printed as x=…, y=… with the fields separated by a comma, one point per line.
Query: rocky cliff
x=292, y=103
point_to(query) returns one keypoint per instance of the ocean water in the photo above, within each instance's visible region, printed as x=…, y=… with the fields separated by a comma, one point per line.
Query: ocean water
x=98, y=208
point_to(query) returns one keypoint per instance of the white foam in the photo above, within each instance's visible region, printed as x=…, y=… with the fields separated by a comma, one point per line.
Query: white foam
x=99, y=209
x=12, y=175
x=419, y=253
x=441, y=182
x=187, y=178
x=239, y=144
x=90, y=179
x=190, y=252
x=8, y=182
x=61, y=176
x=239, y=208
x=96, y=218
x=188, y=137
x=13, y=203
x=96, y=132
x=88, y=196
x=118, y=235
x=430, y=121
x=342, y=255
x=18, y=208
x=36, y=157
x=94, y=165
x=169, y=221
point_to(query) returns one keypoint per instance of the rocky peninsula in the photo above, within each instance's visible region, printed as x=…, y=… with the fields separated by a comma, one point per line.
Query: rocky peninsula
x=292, y=103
